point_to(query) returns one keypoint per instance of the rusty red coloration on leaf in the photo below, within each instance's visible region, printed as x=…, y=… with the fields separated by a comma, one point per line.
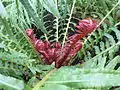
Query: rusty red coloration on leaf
x=86, y=26
x=67, y=52
x=47, y=50
x=62, y=55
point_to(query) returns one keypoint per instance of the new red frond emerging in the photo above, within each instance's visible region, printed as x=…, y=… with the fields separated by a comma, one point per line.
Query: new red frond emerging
x=62, y=55
x=85, y=26
x=46, y=49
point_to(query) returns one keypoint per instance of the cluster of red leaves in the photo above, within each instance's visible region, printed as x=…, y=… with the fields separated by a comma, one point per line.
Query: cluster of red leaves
x=62, y=55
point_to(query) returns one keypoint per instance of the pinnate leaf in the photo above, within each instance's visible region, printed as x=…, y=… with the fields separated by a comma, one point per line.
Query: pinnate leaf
x=85, y=78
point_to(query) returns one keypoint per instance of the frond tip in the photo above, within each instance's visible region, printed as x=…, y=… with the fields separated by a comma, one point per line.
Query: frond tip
x=86, y=26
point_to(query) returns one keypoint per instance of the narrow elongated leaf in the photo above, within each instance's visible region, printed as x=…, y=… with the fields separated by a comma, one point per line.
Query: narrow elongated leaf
x=81, y=78
x=9, y=83
x=51, y=6
x=33, y=14
x=2, y=9
x=102, y=61
x=113, y=63
x=117, y=32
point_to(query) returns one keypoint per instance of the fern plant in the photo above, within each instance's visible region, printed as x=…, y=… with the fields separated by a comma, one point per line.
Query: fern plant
x=54, y=20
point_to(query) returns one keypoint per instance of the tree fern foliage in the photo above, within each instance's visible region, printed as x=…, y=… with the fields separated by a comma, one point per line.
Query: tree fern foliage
x=20, y=64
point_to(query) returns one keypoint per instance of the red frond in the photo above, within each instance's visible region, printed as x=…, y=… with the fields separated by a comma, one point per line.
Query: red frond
x=62, y=55
x=72, y=46
x=86, y=26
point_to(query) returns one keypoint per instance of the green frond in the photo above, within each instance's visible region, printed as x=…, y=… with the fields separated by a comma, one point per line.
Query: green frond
x=9, y=83
x=84, y=78
x=33, y=14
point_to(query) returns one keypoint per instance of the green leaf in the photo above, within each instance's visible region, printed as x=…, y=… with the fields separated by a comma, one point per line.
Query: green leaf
x=40, y=68
x=113, y=63
x=51, y=6
x=111, y=39
x=56, y=87
x=117, y=32
x=85, y=78
x=101, y=62
x=9, y=83
x=16, y=57
x=33, y=14
x=2, y=45
x=2, y=9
